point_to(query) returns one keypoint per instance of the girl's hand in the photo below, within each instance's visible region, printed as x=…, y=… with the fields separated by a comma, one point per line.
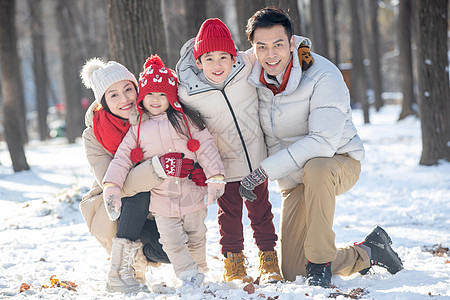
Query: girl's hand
x=216, y=188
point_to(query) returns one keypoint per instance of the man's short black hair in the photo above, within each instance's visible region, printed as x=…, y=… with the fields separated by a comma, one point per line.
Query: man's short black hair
x=266, y=18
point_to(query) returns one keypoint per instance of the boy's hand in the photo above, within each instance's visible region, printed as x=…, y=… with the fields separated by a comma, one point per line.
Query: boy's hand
x=249, y=183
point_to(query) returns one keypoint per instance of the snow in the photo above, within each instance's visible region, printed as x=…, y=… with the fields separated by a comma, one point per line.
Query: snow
x=42, y=232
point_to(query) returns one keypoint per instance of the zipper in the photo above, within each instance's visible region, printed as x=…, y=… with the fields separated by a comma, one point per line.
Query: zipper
x=237, y=128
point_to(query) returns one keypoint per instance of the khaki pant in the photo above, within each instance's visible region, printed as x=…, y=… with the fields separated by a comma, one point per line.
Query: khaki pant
x=307, y=215
x=184, y=240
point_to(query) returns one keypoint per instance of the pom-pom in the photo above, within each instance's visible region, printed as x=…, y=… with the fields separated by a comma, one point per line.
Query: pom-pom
x=193, y=145
x=89, y=68
x=136, y=155
x=154, y=60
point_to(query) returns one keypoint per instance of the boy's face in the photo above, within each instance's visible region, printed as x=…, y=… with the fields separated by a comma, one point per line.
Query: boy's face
x=156, y=103
x=272, y=48
x=216, y=65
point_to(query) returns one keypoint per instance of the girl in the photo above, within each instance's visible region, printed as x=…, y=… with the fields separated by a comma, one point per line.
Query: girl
x=115, y=93
x=163, y=125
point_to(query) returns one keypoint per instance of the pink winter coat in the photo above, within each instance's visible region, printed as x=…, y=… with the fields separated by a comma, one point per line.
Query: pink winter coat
x=175, y=196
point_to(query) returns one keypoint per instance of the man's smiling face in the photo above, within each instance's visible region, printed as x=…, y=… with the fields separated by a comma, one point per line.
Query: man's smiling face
x=272, y=48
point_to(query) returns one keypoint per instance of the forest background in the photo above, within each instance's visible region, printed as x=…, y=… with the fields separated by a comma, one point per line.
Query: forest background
x=390, y=51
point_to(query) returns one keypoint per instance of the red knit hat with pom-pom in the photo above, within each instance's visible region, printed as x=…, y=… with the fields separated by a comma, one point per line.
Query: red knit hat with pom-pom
x=157, y=78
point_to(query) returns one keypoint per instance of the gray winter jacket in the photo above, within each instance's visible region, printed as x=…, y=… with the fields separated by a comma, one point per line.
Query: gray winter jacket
x=310, y=118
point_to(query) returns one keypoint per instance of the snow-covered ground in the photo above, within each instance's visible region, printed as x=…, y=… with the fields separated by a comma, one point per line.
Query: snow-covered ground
x=43, y=234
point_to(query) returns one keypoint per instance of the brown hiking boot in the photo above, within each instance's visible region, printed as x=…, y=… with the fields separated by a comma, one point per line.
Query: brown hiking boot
x=268, y=266
x=235, y=268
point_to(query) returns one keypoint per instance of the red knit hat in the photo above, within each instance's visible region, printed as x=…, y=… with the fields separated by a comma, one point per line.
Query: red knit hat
x=157, y=78
x=213, y=36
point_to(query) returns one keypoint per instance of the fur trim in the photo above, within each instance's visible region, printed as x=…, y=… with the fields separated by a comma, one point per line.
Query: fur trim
x=134, y=116
x=89, y=68
x=158, y=168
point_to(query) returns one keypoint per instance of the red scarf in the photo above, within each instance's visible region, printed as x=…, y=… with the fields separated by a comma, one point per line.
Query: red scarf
x=109, y=129
x=284, y=82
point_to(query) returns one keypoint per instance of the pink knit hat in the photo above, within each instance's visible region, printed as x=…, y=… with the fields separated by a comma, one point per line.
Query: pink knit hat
x=213, y=36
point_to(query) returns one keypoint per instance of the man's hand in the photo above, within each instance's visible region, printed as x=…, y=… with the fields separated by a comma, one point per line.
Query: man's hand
x=112, y=198
x=172, y=164
x=198, y=175
x=250, y=182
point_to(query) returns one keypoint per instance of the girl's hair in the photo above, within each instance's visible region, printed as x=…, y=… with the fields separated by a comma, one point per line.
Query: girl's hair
x=105, y=105
x=177, y=121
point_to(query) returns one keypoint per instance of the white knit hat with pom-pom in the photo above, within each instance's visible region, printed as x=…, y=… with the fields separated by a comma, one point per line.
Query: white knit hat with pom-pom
x=99, y=76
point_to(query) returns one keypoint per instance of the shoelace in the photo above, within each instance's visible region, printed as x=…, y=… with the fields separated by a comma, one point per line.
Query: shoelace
x=128, y=263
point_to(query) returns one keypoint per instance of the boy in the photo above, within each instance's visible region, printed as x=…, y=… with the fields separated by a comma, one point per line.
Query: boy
x=213, y=82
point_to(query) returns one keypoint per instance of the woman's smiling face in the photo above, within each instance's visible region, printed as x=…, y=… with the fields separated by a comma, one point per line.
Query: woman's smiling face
x=120, y=98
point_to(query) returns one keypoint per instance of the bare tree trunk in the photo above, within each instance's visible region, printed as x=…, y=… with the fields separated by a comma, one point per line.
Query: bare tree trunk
x=39, y=66
x=135, y=31
x=11, y=86
x=359, y=84
x=66, y=22
x=335, y=9
x=406, y=69
x=290, y=7
x=195, y=15
x=320, y=35
x=374, y=53
x=434, y=87
x=246, y=9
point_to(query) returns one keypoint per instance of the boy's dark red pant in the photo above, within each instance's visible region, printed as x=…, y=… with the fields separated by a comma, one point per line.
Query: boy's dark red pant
x=259, y=213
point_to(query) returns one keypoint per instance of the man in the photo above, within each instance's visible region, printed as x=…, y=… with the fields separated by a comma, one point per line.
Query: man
x=314, y=153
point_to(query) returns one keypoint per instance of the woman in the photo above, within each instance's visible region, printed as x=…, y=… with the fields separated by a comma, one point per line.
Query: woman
x=115, y=93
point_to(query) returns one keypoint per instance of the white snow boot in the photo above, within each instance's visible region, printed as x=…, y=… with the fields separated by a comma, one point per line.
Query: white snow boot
x=121, y=274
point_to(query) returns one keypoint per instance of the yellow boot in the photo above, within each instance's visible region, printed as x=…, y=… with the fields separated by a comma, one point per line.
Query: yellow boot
x=268, y=266
x=235, y=268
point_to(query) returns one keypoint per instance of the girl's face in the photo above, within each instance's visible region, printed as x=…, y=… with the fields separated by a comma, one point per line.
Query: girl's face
x=120, y=98
x=156, y=103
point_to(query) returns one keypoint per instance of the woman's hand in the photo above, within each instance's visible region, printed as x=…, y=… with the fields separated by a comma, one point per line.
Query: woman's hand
x=112, y=197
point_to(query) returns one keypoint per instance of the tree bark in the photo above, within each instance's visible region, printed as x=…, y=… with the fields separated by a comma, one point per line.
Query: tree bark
x=335, y=9
x=406, y=68
x=195, y=15
x=359, y=84
x=66, y=21
x=246, y=9
x=39, y=66
x=374, y=53
x=320, y=35
x=11, y=86
x=434, y=90
x=135, y=31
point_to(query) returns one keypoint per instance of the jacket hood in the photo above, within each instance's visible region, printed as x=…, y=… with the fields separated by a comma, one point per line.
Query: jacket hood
x=134, y=116
x=188, y=72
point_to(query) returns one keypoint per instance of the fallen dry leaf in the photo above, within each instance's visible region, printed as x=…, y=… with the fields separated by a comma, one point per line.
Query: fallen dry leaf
x=249, y=288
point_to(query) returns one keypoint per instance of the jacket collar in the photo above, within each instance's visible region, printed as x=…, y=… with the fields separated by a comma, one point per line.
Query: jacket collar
x=188, y=72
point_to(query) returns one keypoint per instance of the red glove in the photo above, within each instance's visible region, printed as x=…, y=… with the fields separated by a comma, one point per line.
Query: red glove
x=198, y=175
x=175, y=165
